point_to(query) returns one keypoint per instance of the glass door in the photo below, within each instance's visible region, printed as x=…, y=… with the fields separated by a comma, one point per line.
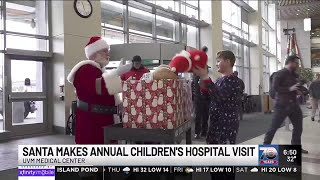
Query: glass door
x=26, y=97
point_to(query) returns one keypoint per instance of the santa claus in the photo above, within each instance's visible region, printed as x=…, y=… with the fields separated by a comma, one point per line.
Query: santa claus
x=96, y=90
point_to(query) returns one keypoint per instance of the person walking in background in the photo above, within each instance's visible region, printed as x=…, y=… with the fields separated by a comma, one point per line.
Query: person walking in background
x=272, y=94
x=136, y=71
x=286, y=86
x=242, y=86
x=201, y=104
x=314, y=90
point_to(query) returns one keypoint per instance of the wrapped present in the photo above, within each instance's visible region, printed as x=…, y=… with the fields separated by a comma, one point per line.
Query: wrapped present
x=155, y=104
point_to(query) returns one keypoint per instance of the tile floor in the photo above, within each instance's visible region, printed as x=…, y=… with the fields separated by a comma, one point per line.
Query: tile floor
x=310, y=138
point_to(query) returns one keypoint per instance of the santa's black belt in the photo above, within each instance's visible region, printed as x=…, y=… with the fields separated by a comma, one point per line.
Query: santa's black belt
x=95, y=108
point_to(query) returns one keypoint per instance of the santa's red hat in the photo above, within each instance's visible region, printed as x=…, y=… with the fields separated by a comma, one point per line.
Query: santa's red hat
x=199, y=58
x=94, y=45
x=181, y=62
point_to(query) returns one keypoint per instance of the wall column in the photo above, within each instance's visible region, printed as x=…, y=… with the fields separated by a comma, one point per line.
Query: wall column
x=70, y=34
x=256, y=53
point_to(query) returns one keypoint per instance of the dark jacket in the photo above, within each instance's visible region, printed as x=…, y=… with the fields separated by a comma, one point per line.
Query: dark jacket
x=242, y=86
x=315, y=89
x=281, y=83
x=198, y=96
x=272, y=92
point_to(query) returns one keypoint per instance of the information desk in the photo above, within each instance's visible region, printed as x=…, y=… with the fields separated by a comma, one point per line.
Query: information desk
x=165, y=136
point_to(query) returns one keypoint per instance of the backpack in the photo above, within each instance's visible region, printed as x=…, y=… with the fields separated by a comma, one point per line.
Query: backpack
x=272, y=92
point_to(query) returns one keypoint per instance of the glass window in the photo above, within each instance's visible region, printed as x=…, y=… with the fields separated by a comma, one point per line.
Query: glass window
x=264, y=37
x=26, y=43
x=226, y=42
x=279, y=51
x=192, y=36
x=140, y=21
x=246, y=80
x=272, y=15
x=272, y=65
x=165, y=28
x=279, y=31
x=164, y=41
x=264, y=10
x=235, y=15
x=150, y=1
x=226, y=27
x=266, y=78
x=245, y=29
x=191, y=12
x=226, y=15
x=27, y=17
x=112, y=14
x=246, y=57
x=184, y=33
x=167, y=4
x=34, y=115
x=236, y=49
x=32, y=70
x=139, y=39
x=112, y=36
x=1, y=28
x=232, y=18
x=192, y=2
x=252, y=3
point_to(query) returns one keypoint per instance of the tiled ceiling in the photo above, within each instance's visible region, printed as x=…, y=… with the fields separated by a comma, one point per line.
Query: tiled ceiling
x=299, y=9
x=294, y=2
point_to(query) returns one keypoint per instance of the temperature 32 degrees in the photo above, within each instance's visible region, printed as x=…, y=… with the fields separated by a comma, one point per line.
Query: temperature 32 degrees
x=291, y=159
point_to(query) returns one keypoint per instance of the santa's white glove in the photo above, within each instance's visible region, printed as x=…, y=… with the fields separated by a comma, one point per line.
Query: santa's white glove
x=294, y=87
x=123, y=67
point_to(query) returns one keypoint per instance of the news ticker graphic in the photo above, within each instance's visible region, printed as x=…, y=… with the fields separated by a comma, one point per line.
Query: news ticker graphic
x=159, y=155
x=76, y=172
x=53, y=170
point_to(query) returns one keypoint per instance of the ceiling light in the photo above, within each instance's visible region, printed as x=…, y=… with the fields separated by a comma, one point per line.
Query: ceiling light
x=312, y=33
x=308, y=9
x=318, y=35
x=298, y=9
x=297, y=14
x=307, y=24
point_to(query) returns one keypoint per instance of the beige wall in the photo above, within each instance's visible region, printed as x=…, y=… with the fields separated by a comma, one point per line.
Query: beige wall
x=256, y=63
x=70, y=35
x=211, y=36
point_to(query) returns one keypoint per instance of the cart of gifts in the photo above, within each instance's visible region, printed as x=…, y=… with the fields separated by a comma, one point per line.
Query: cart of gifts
x=158, y=108
x=159, y=100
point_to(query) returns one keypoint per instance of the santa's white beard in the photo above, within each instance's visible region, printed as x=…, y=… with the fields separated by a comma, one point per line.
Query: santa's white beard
x=102, y=61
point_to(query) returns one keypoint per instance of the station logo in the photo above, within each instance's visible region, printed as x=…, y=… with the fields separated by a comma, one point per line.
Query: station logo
x=268, y=155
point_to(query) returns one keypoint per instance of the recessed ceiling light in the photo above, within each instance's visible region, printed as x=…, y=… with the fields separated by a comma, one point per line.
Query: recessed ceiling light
x=318, y=35
x=312, y=33
x=298, y=9
x=297, y=14
x=308, y=9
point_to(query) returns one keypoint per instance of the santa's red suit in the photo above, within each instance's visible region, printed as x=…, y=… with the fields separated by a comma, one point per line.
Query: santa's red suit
x=93, y=98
